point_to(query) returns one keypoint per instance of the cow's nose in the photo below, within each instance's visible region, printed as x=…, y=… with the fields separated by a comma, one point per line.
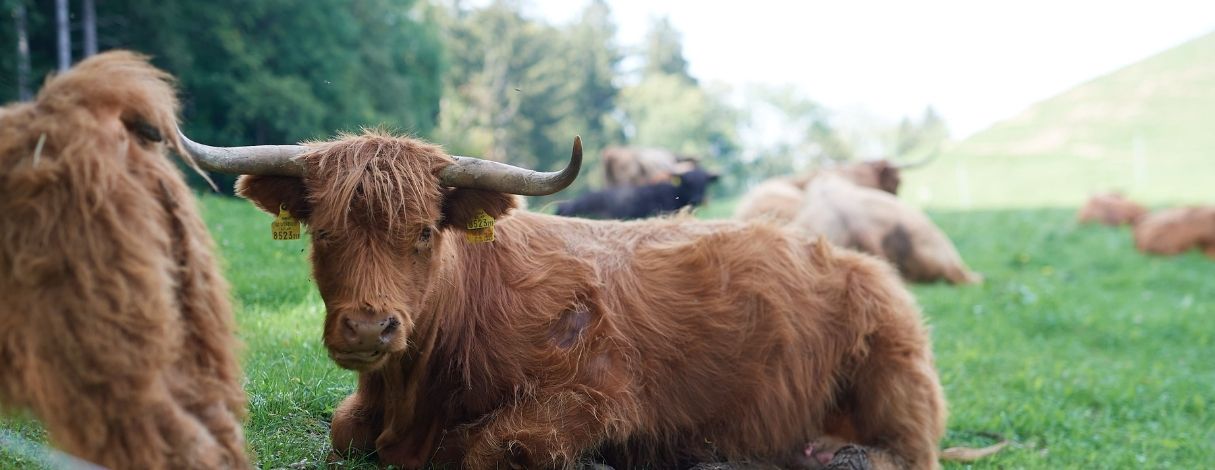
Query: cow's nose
x=371, y=334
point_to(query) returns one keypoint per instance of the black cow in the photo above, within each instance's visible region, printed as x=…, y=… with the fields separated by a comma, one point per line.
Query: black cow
x=687, y=189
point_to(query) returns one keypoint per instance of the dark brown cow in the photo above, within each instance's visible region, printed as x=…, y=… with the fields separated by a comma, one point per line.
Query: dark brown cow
x=1111, y=209
x=644, y=342
x=115, y=327
x=1178, y=230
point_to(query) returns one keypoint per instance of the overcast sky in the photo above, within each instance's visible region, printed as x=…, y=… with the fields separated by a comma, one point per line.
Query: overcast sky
x=976, y=61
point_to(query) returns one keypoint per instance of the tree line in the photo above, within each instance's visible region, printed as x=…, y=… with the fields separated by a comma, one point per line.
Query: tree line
x=486, y=81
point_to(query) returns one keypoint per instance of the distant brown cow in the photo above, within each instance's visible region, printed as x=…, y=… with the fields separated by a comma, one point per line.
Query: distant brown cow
x=115, y=327
x=1175, y=231
x=876, y=222
x=1111, y=209
x=646, y=342
x=777, y=199
x=633, y=167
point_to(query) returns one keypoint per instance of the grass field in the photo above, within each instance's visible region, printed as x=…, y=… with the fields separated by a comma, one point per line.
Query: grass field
x=1081, y=351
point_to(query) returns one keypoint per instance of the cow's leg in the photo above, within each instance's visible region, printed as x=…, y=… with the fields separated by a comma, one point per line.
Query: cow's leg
x=547, y=431
x=894, y=397
x=1209, y=250
x=355, y=427
x=900, y=409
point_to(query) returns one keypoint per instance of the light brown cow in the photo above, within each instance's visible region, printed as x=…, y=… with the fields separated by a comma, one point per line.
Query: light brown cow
x=1111, y=209
x=1178, y=230
x=633, y=167
x=115, y=326
x=777, y=199
x=878, y=223
x=644, y=342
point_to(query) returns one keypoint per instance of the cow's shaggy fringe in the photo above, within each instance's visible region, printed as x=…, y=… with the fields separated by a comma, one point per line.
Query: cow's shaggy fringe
x=115, y=326
x=645, y=342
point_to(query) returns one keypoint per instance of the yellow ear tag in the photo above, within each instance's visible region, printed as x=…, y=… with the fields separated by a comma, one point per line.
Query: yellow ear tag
x=675, y=180
x=480, y=228
x=284, y=227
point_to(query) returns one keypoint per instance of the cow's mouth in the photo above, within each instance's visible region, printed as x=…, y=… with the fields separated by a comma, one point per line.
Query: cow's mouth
x=358, y=360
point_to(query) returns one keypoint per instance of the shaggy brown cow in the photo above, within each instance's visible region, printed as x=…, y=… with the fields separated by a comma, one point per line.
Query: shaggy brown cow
x=1175, y=231
x=777, y=200
x=1111, y=209
x=115, y=327
x=876, y=222
x=648, y=341
x=632, y=167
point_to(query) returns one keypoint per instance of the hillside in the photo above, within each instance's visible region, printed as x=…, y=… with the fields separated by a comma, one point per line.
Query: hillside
x=1147, y=129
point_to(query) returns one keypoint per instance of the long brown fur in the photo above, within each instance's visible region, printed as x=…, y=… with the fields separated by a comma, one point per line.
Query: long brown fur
x=777, y=200
x=1178, y=230
x=645, y=343
x=115, y=328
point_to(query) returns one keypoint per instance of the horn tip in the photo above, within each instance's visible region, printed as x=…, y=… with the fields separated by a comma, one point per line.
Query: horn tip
x=578, y=143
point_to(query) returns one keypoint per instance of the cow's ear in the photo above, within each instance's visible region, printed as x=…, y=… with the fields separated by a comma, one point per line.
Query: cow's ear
x=271, y=192
x=460, y=205
x=888, y=178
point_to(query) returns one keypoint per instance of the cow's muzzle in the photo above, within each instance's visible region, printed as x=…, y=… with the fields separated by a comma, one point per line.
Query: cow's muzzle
x=363, y=343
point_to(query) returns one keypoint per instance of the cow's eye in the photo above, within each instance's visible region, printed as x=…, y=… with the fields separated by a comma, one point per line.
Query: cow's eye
x=425, y=236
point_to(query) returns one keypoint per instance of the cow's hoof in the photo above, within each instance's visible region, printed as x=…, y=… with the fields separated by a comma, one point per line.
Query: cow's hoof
x=849, y=458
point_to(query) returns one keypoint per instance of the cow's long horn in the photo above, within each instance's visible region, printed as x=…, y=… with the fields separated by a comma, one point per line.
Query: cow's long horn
x=475, y=173
x=921, y=162
x=269, y=160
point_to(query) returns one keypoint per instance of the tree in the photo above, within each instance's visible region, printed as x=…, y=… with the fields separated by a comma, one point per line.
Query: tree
x=23, y=51
x=664, y=51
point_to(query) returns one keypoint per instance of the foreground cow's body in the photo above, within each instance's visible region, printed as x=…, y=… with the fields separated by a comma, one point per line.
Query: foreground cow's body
x=647, y=341
x=644, y=201
x=1178, y=230
x=1111, y=209
x=876, y=222
x=115, y=328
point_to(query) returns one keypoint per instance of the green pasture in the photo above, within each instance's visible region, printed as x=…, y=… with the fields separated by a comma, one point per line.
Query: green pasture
x=1081, y=351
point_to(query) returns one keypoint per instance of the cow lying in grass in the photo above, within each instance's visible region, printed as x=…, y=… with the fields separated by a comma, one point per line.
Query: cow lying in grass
x=115, y=327
x=855, y=207
x=651, y=342
x=1178, y=230
x=1111, y=209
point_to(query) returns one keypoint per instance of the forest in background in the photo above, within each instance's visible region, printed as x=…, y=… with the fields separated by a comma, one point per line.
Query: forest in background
x=483, y=81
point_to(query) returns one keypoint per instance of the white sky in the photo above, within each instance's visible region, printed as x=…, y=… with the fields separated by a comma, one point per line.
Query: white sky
x=976, y=62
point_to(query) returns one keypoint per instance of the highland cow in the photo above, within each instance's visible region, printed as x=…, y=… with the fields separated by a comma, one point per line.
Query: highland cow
x=652, y=341
x=777, y=199
x=878, y=223
x=1111, y=209
x=115, y=327
x=1176, y=231
x=626, y=167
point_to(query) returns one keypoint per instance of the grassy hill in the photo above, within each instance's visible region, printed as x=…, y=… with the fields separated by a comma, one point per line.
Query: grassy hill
x=1147, y=129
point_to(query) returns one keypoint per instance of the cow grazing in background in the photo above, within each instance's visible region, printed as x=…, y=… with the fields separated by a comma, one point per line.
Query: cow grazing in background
x=688, y=190
x=115, y=326
x=1111, y=209
x=1178, y=230
x=633, y=167
x=645, y=341
x=878, y=223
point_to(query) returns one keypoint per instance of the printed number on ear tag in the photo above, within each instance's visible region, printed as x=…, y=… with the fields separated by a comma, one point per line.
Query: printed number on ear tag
x=284, y=227
x=480, y=228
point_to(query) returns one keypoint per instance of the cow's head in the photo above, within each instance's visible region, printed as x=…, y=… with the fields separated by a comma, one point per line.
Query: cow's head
x=692, y=182
x=380, y=210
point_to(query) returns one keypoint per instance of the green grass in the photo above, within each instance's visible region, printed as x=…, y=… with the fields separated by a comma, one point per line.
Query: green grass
x=1083, y=352
x=1144, y=129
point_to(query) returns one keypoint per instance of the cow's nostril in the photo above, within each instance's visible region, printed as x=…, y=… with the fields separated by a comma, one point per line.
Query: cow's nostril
x=390, y=330
x=350, y=330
